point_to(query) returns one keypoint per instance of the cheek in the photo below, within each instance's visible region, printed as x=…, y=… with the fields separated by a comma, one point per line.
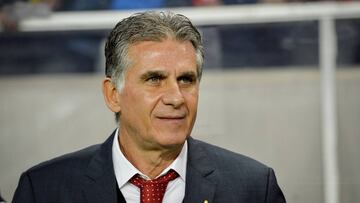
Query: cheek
x=140, y=102
x=130, y=103
x=192, y=101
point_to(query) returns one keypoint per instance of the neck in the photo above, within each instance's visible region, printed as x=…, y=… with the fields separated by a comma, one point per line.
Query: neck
x=150, y=161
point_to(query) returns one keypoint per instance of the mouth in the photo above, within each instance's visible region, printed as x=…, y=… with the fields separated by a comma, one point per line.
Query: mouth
x=171, y=117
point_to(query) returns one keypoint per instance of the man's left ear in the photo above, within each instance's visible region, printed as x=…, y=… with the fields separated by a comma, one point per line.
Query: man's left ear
x=111, y=95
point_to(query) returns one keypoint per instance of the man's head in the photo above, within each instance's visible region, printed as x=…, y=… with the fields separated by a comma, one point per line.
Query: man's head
x=148, y=26
x=153, y=69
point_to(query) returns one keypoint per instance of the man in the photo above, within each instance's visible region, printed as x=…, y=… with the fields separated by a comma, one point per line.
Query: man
x=153, y=70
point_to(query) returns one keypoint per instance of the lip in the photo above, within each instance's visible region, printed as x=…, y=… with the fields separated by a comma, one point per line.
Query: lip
x=170, y=117
x=171, y=121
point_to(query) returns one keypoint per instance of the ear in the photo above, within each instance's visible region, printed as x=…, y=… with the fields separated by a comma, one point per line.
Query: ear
x=111, y=95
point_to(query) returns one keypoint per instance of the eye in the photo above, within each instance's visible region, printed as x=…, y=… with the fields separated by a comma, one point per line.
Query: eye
x=186, y=79
x=154, y=79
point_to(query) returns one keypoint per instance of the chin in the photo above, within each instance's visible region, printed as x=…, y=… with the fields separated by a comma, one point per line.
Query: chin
x=172, y=140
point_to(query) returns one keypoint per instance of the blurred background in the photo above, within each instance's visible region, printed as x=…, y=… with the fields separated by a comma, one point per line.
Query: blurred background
x=281, y=84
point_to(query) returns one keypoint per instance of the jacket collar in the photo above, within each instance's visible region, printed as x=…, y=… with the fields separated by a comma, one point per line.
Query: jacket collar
x=100, y=182
x=200, y=174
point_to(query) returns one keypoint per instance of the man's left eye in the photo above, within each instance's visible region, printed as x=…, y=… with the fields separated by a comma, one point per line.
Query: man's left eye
x=186, y=80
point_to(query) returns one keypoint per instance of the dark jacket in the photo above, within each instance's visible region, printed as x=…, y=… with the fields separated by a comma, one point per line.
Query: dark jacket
x=213, y=174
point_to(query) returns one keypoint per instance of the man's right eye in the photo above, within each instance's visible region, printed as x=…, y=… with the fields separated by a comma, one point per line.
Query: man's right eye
x=154, y=79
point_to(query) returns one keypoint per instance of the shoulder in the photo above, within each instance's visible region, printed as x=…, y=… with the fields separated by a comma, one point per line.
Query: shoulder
x=231, y=164
x=75, y=162
x=63, y=178
x=233, y=173
x=66, y=165
x=223, y=157
x=46, y=181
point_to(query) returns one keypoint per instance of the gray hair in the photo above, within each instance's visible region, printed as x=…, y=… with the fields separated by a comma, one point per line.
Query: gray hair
x=147, y=26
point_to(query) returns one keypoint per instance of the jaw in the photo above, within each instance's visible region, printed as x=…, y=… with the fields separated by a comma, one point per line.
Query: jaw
x=171, y=130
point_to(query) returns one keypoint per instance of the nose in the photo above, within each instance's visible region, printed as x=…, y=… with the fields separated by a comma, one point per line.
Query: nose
x=173, y=96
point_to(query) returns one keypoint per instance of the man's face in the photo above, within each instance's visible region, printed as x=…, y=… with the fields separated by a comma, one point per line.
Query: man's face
x=160, y=95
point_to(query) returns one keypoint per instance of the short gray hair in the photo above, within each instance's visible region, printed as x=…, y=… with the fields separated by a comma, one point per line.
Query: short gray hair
x=147, y=26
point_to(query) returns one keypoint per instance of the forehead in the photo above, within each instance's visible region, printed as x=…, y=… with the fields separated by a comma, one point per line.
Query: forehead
x=166, y=54
x=169, y=45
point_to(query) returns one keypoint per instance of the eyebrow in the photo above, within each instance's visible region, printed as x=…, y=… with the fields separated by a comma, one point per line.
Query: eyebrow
x=159, y=73
x=192, y=74
x=150, y=74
